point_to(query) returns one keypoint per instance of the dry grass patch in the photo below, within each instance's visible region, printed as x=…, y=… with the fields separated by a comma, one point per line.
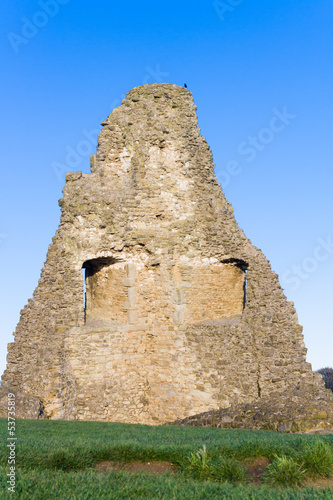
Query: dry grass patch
x=324, y=482
x=255, y=468
x=152, y=467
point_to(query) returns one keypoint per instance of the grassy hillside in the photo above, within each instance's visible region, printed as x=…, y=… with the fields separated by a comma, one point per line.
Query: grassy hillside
x=56, y=459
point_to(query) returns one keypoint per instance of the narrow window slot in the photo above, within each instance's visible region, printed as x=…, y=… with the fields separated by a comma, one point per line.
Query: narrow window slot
x=245, y=288
x=84, y=289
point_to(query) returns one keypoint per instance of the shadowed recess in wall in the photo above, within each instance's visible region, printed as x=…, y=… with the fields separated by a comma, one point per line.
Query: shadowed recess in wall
x=105, y=294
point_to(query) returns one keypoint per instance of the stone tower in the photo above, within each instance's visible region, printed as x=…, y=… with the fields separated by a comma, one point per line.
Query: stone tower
x=180, y=313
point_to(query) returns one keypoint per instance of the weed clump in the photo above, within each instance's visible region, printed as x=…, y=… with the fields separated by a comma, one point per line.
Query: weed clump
x=201, y=465
x=228, y=469
x=318, y=460
x=285, y=471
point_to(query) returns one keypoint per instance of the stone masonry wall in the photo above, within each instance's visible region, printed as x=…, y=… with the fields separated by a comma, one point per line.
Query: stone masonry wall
x=183, y=314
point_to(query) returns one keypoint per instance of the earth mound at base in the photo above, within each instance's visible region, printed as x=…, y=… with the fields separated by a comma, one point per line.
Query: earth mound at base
x=300, y=409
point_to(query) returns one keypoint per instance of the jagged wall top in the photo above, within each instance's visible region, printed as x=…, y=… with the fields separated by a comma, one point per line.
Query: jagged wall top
x=153, y=175
x=151, y=119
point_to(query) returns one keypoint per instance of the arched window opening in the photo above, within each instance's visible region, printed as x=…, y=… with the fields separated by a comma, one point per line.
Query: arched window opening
x=217, y=291
x=241, y=264
x=104, y=294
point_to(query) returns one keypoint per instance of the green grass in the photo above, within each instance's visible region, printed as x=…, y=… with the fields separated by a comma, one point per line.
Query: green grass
x=204, y=465
x=55, y=460
x=318, y=460
x=285, y=471
x=88, y=485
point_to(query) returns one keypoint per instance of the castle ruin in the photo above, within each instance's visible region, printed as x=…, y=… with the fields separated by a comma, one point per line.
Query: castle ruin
x=152, y=304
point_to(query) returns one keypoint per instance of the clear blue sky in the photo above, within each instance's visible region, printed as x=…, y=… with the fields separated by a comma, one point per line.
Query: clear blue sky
x=246, y=62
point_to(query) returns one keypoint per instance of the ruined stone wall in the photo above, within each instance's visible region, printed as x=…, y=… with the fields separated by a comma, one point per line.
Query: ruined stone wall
x=167, y=332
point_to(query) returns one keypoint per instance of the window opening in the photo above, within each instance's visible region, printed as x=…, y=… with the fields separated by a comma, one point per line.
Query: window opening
x=84, y=289
x=104, y=295
x=244, y=266
x=245, y=288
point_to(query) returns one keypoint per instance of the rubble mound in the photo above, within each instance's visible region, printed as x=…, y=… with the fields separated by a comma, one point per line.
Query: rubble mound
x=301, y=408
